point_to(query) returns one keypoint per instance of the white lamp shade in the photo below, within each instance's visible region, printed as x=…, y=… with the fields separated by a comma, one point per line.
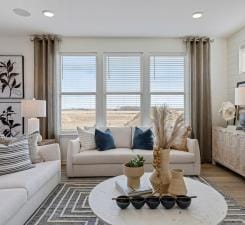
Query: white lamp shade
x=33, y=108
x=240, y=96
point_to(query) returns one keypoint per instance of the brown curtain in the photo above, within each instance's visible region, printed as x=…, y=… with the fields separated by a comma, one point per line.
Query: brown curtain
x=201, y=119
x=45, y=47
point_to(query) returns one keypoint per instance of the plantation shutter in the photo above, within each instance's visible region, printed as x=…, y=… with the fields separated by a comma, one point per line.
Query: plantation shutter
x=167, y=81
x=123, y=89
x=78, y=91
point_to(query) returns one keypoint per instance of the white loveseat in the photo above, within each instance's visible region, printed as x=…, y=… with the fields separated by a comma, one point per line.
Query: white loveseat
x=109, y=163
x=23, y=192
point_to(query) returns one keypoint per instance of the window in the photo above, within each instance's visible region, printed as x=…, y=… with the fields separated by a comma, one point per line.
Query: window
x=123, y=89
x=167, y=81
x=78, y=91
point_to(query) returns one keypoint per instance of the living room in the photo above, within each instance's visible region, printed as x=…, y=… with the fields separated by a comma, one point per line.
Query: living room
x=112, y=109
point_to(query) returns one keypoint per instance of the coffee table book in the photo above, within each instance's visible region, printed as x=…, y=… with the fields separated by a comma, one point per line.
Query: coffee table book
x=124, y=189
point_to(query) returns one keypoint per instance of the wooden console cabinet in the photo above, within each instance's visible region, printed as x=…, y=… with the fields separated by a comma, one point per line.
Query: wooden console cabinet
x=229, y=148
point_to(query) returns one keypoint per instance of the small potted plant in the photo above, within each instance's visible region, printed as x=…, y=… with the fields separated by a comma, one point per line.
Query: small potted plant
x=134, y=169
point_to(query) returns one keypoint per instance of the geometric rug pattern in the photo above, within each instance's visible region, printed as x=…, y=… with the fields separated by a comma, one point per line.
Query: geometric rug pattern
x=68, y=205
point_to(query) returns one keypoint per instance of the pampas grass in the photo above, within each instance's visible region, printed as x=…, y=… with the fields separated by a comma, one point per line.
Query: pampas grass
x=164, y=138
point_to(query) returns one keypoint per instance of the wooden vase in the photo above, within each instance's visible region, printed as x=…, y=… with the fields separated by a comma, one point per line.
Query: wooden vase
x=161, y=176
x=177, y=185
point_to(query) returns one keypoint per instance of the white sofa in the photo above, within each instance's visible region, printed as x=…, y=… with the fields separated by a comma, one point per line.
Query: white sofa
x=109, y=163
x=23, y=192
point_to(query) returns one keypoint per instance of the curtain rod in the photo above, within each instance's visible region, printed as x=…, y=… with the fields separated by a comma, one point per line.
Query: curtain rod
x=198, y=39
x=45, y=36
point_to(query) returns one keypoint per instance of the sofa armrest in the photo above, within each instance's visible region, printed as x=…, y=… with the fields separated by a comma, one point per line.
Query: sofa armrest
x=72, y=149
x=49, y=152
x=193, y=146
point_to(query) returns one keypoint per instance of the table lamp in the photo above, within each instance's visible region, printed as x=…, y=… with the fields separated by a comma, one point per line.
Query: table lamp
x=240, y=101
x=32, y=109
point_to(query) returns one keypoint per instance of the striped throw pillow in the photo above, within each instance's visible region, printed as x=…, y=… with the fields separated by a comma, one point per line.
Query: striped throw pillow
x=87, y=139
x=15, y=157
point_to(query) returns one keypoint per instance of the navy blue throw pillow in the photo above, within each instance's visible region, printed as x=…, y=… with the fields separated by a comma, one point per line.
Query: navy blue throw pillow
x=104, y=140
x=143, y=139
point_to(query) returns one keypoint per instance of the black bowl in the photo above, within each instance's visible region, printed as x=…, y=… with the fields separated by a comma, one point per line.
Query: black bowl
x=138, y=202
x=183, y=201
x=153, y=202
x=123, y=201
x=168, y=202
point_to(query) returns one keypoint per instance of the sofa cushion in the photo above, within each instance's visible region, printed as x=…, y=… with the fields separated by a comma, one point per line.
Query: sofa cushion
x=104, y=140
x=114, y=156
x=176, y=156
x=122, y=136
x=15, y=156
x=123, y=155
x=31, y=180
x=11, y=202
x=86, y=138
x=143, y=139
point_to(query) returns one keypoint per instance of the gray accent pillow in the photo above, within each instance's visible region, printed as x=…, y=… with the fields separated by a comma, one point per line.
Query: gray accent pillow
x=15, y=157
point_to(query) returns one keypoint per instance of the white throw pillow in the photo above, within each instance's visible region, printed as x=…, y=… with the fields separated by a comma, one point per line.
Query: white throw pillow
x=32, y=142
x=87, y=139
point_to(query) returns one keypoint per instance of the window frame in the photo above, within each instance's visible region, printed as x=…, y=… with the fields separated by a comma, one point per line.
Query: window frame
x=61, y=93
x=145, y=92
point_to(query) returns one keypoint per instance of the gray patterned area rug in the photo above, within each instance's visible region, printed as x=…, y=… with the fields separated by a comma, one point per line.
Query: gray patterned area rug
x=68, y=205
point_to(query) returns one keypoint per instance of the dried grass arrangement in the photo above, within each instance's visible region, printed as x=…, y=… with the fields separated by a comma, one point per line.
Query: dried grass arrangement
x=161, y=177
x=164, y=138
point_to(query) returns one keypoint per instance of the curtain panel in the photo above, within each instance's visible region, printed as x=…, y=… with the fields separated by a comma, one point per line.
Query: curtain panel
x=198, y=50
x=45, y=51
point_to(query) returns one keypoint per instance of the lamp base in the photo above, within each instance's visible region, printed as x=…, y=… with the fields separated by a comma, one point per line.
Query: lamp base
x=32, y=125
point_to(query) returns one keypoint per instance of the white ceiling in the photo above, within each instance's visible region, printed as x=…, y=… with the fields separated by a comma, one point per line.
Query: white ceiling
x=124, y=18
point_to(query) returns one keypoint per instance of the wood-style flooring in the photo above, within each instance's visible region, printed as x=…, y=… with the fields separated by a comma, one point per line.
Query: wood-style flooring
x=229, y=183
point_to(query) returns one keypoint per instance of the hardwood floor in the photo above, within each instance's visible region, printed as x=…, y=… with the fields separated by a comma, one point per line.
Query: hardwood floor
x=229, y=183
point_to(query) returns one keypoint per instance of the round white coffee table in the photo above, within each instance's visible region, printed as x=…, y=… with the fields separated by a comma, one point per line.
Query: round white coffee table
x=209, y=208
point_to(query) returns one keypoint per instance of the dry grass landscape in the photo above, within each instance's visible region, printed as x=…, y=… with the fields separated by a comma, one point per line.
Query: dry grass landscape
x=73, y=118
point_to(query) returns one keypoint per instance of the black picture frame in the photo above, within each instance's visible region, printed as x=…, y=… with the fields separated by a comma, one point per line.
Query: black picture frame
x=5, y=58
x=16, y=116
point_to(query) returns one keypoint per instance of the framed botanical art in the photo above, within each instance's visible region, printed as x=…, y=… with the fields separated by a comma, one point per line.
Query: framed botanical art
x=11, y=122
x=11, y=76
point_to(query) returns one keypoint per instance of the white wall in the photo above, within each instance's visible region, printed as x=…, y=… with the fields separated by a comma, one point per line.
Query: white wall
x=21, y=46
x=218, y=78
x=234, y=42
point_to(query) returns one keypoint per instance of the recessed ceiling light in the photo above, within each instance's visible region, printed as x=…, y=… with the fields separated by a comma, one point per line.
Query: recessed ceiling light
x=197, y=15
x=48, y=13
x=21, y=12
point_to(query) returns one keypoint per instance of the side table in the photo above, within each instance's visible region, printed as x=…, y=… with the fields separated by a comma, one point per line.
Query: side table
x=46, y=142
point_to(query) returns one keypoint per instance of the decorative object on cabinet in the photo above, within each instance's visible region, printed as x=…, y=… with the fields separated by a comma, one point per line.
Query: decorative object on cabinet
x=12, y=76
x=11, y=123
x=227, y=111
x=229, y=148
